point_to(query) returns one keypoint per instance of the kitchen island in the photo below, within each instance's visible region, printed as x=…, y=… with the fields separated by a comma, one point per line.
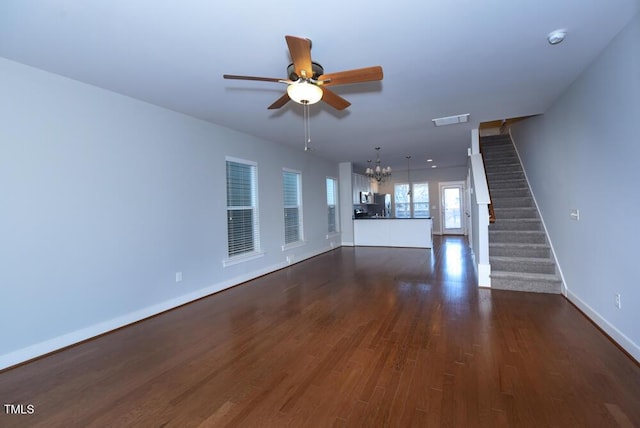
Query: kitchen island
x=392, y=232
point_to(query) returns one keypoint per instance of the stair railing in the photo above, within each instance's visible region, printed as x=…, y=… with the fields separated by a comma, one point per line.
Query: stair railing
x=492, y=213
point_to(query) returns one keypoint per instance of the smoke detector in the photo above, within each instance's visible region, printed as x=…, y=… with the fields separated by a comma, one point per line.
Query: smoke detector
x=556, y=36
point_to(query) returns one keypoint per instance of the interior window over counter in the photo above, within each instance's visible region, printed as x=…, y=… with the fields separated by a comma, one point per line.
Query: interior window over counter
x=242, y=208
x=420, y=200
x=402, y=199
x=411, y=200
x=292, y=206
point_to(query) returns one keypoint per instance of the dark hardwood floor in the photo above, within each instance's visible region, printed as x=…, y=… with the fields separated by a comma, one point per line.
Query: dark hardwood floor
x=368, y=337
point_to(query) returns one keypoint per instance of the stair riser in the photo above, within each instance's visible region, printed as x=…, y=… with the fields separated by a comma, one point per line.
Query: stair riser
x=552, y=287
x=506, y=168
x=495, y=139
x=513, y=184
x=516, y=237
x=516, y=225
x=515, y=213
x=501, y=176
x=492, y=166
x=512, y=202
x=499, y=158
x=505, y=144
x=500, y=251
x=497, y=149
x=510, y=193
x=542, y=266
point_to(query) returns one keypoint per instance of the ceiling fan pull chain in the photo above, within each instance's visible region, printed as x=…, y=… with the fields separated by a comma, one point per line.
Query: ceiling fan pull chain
x=307, y=127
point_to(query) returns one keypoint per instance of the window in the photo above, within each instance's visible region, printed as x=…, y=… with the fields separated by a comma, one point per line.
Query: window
x=242, y=211
x=402, y=200
x=292, y=207
x=414, y=204
x=332, y=203
x=420, y=200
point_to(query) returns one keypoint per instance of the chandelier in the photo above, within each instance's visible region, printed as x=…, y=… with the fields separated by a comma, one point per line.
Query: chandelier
x=378, y=173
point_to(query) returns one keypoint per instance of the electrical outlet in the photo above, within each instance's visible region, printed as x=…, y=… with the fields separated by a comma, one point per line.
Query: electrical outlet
x=178, y=276
x=618, y=301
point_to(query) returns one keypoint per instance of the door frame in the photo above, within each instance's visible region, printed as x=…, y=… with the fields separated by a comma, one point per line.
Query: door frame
x=462, y=186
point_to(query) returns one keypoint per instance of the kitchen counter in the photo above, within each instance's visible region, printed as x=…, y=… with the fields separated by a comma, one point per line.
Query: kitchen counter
x=393, y=232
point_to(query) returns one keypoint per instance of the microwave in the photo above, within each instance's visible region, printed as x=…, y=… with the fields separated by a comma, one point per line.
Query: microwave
x=366, y=197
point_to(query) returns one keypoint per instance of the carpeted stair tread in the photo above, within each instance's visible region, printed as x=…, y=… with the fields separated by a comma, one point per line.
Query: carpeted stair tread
x=522, y=265
x=518, y=236
x=533, y=224
x=519, y=250
x=516, y=212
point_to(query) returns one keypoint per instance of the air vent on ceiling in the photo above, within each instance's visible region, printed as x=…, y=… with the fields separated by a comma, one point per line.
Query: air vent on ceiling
x=451, y=120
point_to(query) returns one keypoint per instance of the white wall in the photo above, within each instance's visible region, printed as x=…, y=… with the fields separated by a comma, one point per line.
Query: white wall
x=105, y=198
x=479, y=195
x=346, y=203
x=584, y=153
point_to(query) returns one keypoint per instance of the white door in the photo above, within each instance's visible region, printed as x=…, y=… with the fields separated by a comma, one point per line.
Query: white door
x=452, y=219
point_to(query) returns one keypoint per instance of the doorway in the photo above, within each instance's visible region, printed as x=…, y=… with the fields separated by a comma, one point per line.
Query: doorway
x=452, y=219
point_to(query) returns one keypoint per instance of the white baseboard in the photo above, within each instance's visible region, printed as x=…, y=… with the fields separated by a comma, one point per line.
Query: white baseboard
x=39, y=349
x=621, y=339
x=484, y=275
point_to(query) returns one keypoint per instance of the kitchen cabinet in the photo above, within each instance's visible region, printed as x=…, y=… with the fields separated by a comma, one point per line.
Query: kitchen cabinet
x=360, y=183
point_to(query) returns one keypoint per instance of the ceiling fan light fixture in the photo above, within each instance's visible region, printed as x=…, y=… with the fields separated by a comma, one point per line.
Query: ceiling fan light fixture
x=304, y=92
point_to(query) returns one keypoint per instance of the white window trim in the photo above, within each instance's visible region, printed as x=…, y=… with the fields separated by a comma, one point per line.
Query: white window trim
x=291, y=245
x=242, y=258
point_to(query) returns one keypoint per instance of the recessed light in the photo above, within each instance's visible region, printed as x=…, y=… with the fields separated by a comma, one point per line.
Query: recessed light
x=429, y=160
x=451, y=120
x=556, y=36
x=434, y=166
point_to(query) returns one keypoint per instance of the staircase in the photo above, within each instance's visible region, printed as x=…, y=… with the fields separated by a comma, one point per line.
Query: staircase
x=519, y=253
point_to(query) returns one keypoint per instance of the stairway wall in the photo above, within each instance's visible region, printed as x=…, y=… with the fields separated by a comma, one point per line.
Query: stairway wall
x=583, y=153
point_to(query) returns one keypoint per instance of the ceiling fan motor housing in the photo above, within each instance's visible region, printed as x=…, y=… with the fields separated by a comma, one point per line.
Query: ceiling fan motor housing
x=317, y=69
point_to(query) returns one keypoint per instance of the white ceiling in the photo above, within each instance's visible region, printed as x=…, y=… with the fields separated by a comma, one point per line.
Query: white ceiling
x=487, y=58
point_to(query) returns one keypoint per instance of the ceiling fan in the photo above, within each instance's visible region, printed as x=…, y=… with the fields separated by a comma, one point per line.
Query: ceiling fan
x=307, y=82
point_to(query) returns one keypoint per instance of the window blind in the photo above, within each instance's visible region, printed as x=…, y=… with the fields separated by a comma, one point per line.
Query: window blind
x=242, y=214
x=292, y=207
x=331, y=205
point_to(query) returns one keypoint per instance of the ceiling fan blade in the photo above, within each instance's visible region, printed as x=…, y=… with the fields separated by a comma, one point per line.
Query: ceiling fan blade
x=279, y=102
x=359, y=75
x=334, y=100
x=262, y=79
x=300, y=50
